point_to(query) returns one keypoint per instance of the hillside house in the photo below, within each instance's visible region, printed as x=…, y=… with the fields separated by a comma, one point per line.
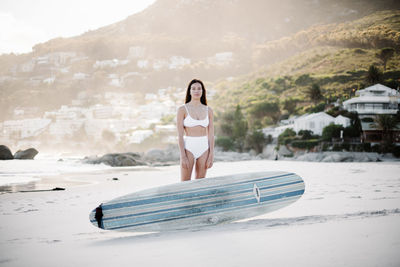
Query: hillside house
x=314, y=122
x=370, y=102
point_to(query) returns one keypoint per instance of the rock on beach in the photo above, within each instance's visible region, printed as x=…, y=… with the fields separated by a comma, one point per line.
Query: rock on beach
x=116, y=160
x=5, y=153
x=26, y=154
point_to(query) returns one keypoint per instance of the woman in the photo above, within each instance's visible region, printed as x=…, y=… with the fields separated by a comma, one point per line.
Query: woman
x=195, y=132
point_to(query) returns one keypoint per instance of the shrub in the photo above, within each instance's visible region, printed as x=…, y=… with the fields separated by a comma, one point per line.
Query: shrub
x=286, y=137
x=305, y=144
x=351, y=131
x=225, y=142
x=331, y=131
x=396, y=151
x=256, y=140
x=305, y=134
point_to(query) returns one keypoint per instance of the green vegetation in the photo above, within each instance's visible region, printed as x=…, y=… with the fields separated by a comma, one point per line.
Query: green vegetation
x=386, y=123
x=328, y=63
x=233, y=133
x=331, y=131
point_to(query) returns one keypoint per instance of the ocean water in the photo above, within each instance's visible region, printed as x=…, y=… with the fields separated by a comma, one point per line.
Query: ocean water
x=19, y=172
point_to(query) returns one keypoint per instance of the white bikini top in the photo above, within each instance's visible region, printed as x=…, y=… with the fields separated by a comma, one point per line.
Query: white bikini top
x=190, y=122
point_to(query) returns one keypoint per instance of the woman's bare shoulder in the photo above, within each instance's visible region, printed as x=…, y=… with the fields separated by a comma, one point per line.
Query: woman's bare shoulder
x=181, y=109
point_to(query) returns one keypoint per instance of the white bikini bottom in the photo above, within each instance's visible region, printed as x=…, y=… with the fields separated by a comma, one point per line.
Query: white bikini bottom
x=196, y=144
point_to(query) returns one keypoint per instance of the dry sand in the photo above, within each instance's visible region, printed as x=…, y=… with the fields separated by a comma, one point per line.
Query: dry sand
x=348, y=216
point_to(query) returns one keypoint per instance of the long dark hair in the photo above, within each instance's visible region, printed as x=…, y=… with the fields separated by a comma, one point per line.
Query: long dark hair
x=203, y=98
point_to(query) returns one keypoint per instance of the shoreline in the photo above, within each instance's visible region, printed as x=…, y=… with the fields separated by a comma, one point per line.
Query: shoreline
x=95, y=176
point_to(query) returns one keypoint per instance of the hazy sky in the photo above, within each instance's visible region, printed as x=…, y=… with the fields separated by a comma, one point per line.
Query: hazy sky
x=24, y=23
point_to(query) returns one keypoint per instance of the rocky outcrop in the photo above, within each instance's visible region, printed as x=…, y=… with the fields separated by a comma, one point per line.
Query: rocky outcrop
x=170, y=154
x=117, y=160
x=26, y=154
x=5, y=153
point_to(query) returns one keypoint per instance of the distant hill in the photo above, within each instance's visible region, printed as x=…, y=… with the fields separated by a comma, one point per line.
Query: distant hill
x=198, y=28
x=334, y=56
x=173, y=41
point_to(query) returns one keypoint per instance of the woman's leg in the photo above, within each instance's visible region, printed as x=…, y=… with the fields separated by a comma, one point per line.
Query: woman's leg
x=201, y=169
x=187, y=173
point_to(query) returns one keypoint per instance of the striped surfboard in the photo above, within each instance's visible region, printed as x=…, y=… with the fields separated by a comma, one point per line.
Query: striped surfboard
x=199, y=203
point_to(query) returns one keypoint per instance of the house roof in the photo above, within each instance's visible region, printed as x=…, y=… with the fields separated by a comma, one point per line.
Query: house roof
x=313, y=116
x=369, y=99
x=377, y=88
x=377, y=93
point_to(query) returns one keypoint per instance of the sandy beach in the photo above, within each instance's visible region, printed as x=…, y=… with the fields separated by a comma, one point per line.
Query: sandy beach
x=348, y=216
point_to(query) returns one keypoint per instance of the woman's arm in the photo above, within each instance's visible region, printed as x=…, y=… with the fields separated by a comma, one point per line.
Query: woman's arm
x=210, y=131
x=180, y=116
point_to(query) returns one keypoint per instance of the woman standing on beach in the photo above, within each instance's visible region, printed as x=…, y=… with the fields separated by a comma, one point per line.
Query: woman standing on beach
x=195, y=132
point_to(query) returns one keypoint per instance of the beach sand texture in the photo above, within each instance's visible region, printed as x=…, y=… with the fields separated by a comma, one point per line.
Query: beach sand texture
x=348, y=216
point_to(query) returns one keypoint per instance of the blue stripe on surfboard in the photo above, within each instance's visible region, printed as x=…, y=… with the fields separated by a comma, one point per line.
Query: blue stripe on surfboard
x=213, y=210
x=182, y=195
x=206, y=203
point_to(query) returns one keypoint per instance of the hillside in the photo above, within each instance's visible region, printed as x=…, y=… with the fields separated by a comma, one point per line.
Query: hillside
x=334, y=56
x=173, y=41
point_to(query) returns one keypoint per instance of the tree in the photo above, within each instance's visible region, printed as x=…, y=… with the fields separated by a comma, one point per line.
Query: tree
x=303, y=80
x=374, y=75
x=288, y=134
x=233, y=125
x=263, y=109
x=314, y=93
x=385, y=54
x=306, y=134
x=290, y=104
x=240, y=128
x=225, y=142
x=386, y=123
x=331, y=131
x=256, y=140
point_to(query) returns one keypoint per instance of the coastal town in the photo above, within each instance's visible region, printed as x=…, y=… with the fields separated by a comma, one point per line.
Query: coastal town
x=114, y=113
x=119, y=118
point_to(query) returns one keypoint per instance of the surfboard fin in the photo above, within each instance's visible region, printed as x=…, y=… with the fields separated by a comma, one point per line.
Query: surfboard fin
x=99, y=216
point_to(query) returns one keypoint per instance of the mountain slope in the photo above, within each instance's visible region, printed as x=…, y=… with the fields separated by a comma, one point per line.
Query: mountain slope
x=334, y=56
x=199, y=33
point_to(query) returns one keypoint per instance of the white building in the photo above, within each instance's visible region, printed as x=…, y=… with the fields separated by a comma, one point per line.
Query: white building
x=28, y=66
x=143, y=63
x=177, y=62
x=102, y=112
x=80, y=76
x=114, y=80
x=19, y=129
x=341, y=120
x=276, y=131
x=370, y=102
x=139, y=136
x=314, y=122
x=112, y=63
x=373, y=100
x=136, y=52
x=159, y=64
x=49, y=80
x=61, y=128
x=221, y=59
